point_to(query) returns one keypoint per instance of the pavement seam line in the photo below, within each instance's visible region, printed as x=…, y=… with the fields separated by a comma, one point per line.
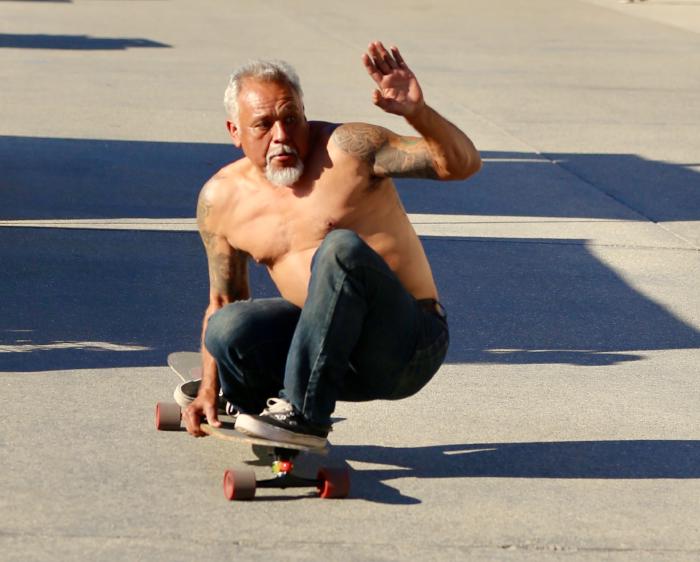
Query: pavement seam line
x=546, y=157
x=561, y=242
x=472, y=239
x=619, y=201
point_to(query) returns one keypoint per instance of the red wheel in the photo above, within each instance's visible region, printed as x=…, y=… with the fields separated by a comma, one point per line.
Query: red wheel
x=334, y=482
x=168, y=416
x=239, y=484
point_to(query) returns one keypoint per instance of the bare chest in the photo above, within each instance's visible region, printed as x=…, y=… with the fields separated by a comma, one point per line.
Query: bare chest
x=274, y=225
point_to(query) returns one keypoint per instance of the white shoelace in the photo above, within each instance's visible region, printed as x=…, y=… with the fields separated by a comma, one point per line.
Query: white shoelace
x=277, y=405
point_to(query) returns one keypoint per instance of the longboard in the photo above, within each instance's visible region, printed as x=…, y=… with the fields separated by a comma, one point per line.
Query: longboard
x=241, y=483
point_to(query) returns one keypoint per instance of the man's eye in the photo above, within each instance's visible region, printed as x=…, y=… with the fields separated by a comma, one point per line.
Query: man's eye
x=291, y=120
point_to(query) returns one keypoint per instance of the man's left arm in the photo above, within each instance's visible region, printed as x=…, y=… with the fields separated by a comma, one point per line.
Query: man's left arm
x=443, y=151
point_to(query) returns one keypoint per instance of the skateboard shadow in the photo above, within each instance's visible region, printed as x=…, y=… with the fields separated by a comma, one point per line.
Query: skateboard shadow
x=610, y=460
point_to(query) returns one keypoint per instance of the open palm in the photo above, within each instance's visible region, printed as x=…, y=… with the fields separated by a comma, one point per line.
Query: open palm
x=398, y=90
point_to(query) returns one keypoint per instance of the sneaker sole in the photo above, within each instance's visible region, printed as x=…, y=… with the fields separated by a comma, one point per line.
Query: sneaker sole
x=255, y=428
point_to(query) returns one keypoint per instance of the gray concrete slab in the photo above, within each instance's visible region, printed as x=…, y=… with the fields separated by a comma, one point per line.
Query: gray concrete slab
x=564, y=423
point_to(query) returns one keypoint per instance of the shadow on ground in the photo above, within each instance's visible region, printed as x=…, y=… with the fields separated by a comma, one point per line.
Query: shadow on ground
x=91, y=178
x=620, y=460
x=70, y=296
x=95, y=299
x=520, y=301
x=73, y=42
x=104, y=178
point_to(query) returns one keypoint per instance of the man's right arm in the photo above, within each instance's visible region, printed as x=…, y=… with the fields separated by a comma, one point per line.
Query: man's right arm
x=228, y=282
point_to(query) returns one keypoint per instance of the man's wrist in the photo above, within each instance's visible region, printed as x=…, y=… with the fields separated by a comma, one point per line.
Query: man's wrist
x=419, y=115
x=208, y=392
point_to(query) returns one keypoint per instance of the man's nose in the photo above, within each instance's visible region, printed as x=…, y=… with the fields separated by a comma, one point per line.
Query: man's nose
x=279, y=132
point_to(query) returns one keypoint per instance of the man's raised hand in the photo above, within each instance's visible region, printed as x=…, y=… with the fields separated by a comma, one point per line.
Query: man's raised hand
x=398, y=90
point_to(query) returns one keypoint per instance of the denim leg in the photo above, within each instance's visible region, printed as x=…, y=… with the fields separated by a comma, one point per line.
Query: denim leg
x=249, y=341
x=357, y=333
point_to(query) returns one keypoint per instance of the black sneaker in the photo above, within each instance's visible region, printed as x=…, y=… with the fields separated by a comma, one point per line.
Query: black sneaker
x=280, y=422
x=186, y=392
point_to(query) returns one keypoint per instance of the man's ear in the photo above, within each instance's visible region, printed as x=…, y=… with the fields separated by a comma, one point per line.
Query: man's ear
x=233, y=131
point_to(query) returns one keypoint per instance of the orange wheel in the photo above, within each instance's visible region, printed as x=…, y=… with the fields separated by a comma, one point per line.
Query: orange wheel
x=168, y=416
x=239, y=484
x=333, y=482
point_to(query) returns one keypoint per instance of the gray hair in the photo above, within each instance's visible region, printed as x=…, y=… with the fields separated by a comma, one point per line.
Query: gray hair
x=261, y=70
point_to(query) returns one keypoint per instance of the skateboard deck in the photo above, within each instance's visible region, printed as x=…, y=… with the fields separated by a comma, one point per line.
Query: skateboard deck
x=227, y=432
x=186, y=364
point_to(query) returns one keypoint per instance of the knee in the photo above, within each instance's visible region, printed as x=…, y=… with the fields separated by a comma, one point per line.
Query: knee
x=227, y=328
x=341, y=246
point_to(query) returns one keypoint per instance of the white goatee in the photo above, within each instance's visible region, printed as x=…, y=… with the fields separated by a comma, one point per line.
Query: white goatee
x=285, y=176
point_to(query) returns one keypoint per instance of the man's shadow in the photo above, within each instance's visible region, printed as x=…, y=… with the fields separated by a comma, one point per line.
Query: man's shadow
x=610, y=460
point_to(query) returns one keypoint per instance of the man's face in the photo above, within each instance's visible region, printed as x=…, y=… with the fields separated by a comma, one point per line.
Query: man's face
x=272, y=130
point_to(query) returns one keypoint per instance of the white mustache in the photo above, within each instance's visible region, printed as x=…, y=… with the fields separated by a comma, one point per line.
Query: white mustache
x=282, y=149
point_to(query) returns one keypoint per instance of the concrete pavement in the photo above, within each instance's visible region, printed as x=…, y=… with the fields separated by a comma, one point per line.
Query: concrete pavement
x=565, y=423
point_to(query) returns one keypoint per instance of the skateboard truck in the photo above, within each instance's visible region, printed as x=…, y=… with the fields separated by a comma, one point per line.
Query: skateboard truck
x=241, y=483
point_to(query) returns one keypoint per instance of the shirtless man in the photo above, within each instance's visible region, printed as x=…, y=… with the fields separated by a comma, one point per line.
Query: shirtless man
x=359, y=317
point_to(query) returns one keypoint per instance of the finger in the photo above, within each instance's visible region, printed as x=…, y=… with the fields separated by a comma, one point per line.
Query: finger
x=397, y=57
x=212, y=416
x=378, y=58
x=192, y=423
x=380, y=101
x=371, y=68
x=386, y=57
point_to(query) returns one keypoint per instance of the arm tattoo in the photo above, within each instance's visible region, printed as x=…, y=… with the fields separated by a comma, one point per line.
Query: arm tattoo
x=228, y=274
x=203, y=211
x=403, y=157
x=409, y=158
x=228, y=268
x=360, y=140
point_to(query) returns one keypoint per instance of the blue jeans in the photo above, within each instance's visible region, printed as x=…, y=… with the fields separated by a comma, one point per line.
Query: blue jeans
x=360, y=336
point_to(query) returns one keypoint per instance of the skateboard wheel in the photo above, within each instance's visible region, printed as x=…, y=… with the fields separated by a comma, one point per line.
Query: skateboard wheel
x=168, y=416
x=333, y=482
x=239, y=484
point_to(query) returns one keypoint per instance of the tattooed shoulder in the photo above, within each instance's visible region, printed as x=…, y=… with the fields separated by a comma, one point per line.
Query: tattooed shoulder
x=360, y=140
